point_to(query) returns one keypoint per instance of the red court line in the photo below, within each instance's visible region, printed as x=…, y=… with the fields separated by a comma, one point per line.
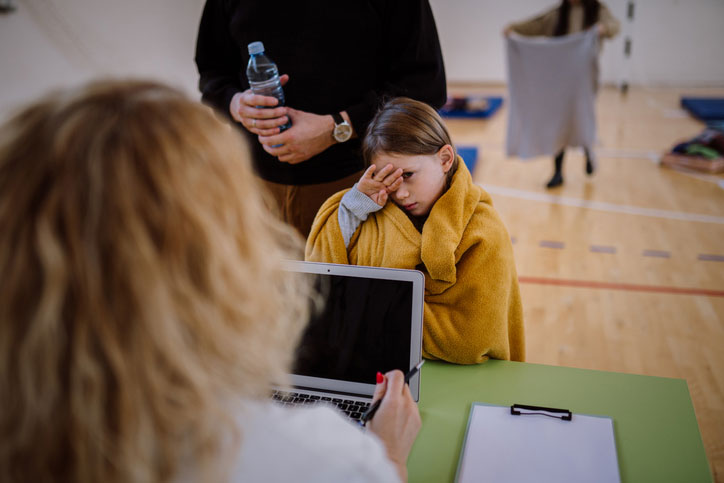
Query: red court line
x=621, y=286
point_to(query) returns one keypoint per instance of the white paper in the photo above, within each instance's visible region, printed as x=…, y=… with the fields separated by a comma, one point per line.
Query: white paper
x=501, y=447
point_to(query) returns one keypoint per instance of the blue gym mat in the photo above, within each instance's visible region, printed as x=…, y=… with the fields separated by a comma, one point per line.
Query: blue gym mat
x=469, y=155
x=493, y=104
x=704, y=108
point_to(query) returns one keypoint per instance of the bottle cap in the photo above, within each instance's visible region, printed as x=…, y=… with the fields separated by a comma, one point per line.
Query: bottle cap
x=256, y=48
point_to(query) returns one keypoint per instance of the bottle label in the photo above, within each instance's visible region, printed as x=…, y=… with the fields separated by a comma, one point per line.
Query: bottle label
x=269, y=85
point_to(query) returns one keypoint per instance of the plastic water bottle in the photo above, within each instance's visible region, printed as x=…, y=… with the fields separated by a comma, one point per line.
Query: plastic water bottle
x=263, y=77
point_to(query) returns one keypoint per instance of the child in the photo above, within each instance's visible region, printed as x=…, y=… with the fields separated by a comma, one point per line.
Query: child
x=439, y=222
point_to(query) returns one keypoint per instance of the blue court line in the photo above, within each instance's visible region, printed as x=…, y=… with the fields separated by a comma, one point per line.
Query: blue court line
x=656, y=254
x=602, y=249
x=710, y=258
x=552, y=244
x=706, y=257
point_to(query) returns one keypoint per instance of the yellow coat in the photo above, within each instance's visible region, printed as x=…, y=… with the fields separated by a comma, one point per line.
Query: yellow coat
x=472, y=301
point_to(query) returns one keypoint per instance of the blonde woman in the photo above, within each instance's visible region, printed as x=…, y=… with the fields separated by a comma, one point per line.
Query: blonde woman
x=143, y=310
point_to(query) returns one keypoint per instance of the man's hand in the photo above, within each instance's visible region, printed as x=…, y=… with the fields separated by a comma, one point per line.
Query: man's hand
x=379, y=185
x=262, y=122
x=309, y=135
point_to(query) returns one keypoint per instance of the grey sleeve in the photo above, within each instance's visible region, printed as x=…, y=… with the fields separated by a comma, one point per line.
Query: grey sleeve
x=354, y=208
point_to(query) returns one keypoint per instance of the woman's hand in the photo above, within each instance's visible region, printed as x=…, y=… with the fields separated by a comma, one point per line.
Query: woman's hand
x=397, y=421
x=378, y=185
x=260, y=121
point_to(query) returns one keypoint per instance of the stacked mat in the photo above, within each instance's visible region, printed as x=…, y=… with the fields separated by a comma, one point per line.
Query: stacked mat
x=704, y=152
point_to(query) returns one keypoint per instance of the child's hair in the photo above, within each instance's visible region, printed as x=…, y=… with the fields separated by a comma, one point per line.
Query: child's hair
x=142, y=296
x=407, y=127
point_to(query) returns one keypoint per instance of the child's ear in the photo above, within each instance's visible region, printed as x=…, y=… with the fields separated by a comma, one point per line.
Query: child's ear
x=446, y=156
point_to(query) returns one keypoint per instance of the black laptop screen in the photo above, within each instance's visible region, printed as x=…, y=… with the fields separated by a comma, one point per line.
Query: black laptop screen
x=364, y=327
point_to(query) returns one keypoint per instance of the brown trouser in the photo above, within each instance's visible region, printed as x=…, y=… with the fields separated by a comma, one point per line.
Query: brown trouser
x=298, y=204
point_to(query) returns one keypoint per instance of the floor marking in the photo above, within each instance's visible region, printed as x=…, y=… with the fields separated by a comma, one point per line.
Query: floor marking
x=598, y=152
x=667, y=111
x=621, y=286
x=709, y=178
x=648, y=154
x=706, y=257
x=602, y=249
x=601, y=205
x=656, y=254
x=645, y=154
x=552, y=244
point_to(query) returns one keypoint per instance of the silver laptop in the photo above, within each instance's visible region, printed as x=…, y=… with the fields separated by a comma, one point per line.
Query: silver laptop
x=371, y=321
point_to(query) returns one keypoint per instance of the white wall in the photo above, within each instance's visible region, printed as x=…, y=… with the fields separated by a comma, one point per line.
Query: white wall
x=679, y=42
x=51, y=43
x=675, y=42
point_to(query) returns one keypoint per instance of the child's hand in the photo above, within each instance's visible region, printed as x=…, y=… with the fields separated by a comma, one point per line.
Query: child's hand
x=379, y=185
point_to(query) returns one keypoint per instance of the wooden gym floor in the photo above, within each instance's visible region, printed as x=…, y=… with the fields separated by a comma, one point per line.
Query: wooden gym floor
x=622, y=271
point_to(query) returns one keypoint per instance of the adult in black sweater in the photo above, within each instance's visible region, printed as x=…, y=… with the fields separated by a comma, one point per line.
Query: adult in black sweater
x=335, y=57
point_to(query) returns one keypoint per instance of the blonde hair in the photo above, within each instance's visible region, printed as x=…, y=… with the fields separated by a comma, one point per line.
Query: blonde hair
x=142, y=299
x=407, y=127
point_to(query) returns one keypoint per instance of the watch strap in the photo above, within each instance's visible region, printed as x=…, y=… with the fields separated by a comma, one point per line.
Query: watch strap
x=338, y=119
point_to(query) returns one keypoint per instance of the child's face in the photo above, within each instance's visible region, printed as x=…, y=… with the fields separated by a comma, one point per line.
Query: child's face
x=423, y=178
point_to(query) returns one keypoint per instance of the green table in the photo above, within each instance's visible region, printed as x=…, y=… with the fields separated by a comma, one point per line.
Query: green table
x=657, y=436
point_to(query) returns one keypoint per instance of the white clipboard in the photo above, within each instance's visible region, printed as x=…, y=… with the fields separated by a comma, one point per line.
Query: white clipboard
x=533, y=447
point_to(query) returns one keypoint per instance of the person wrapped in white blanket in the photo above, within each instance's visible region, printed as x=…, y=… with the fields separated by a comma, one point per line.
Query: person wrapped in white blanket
x=570, y=17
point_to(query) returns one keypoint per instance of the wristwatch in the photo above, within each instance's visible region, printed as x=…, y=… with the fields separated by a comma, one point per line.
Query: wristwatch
x=342, y=130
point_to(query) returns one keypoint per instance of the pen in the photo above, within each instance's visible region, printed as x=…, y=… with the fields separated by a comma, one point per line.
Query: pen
x=373, y=409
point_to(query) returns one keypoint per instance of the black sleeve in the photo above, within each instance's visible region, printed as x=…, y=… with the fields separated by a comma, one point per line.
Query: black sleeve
x=217, y=58
x=413, y=64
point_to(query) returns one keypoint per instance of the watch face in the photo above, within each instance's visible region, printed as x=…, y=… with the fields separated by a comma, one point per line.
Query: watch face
x=342, y=132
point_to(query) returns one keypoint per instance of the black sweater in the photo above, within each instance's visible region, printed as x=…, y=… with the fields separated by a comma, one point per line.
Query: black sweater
x=340, y=55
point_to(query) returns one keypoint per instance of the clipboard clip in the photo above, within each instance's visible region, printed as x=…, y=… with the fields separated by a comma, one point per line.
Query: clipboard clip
x=525, y=410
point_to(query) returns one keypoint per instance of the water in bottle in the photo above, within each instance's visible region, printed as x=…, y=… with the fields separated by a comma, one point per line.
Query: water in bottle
x=263, y=76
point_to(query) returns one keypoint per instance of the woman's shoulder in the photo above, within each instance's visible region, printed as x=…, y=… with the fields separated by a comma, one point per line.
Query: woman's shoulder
x=308, y=443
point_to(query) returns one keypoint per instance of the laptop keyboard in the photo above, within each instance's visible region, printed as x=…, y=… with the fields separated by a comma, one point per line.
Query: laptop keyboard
x=353, y=409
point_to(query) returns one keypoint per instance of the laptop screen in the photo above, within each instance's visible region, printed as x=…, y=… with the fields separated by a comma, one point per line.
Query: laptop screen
x=364, y=327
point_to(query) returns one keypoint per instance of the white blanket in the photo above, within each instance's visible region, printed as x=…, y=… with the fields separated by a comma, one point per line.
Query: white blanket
x=552, y=88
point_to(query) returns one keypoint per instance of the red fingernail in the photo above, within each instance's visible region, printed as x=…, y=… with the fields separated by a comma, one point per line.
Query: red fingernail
x=380, y=378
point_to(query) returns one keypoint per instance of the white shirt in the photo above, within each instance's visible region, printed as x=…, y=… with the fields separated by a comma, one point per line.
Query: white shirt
x=308, y=443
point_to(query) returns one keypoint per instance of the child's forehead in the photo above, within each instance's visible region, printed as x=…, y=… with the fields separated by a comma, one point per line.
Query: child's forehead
x=404, y=161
